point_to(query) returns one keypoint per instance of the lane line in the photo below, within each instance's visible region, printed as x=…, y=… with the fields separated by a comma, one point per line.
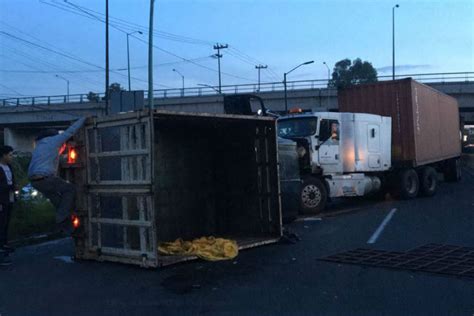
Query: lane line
x=380, y=229
x=66, y=259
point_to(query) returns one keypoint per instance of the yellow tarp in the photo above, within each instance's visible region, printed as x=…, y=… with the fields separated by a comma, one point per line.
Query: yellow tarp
x=207, y=248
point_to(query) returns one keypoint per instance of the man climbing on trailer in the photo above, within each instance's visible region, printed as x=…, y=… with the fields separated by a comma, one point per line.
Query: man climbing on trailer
x=43, y=169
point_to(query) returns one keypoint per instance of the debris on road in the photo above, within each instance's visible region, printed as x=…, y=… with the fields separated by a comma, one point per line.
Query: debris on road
x=207, y=248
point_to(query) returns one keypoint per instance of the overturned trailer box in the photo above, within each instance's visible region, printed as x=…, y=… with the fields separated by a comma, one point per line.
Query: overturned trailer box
x=154, y=176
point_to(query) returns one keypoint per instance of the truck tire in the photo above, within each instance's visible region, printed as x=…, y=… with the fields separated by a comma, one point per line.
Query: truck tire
x=409, y=184
x=429, y=181
x=452, y=172
x=313, y=196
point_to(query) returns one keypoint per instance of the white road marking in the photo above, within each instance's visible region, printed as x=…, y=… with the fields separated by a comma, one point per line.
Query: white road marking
x=67, y=259
x=310, y=219
x=380, y=229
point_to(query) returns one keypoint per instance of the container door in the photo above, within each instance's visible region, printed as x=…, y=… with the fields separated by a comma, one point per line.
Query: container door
x=121, y=223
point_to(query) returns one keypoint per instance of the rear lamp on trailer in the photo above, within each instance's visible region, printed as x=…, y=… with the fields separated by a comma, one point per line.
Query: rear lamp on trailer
x=76, y=223
x=72, y=155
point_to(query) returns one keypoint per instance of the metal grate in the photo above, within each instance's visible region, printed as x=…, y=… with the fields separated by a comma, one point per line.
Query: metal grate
x=432, y=258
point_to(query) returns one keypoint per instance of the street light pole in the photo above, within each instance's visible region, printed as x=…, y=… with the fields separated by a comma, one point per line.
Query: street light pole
x=106, y=56
x=128, y=58
x=284, y=80
x=182, y=79
x=286, y=97
x=150, y=57
x=67, y=81
x=329, y=78
x=393, y=41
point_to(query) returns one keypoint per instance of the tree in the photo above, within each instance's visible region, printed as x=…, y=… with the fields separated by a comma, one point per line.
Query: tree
x=346, y=73
x=116, y=87
x=93, y=97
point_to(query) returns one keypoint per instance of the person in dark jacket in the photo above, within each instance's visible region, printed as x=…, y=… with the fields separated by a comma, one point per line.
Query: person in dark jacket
x=7, y=198
x=42, y=173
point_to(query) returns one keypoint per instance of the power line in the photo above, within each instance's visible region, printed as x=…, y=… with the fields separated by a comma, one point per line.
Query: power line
x=161, y=49
x=252, y=60
x=68, y=56
x=38, y=61
x=11, y=89
x=97, y=70
x=89, y=13
x=52, y=66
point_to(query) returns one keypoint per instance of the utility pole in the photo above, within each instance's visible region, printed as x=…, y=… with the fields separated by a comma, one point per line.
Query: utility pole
x=218, y=47
x=106, y=56
x=150, y=58
x=260, y=67
x=393, y=41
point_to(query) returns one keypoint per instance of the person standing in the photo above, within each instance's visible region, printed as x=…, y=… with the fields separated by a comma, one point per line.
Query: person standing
x=7, y=198
x=43, y=169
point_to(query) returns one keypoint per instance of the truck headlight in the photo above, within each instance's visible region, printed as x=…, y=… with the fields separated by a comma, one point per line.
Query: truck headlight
x=301, y=151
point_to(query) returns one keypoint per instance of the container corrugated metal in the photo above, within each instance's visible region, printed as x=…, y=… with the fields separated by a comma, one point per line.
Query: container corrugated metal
x=425, y=122
x=149, y=177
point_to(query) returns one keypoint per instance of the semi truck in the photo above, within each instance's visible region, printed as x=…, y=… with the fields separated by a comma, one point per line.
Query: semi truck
x=393, y=136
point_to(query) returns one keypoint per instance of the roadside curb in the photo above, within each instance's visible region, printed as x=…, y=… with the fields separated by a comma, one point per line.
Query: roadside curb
x=35, y=239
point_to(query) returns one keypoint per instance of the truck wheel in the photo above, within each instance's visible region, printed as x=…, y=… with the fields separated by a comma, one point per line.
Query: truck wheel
x=453, y=170
x=313, y=196
x=409, y=184
x=429, y=181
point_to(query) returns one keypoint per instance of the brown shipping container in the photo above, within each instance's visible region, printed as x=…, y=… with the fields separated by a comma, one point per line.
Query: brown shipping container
x=425, y=122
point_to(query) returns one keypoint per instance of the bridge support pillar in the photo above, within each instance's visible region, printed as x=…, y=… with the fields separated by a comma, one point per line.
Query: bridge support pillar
x=22, y=140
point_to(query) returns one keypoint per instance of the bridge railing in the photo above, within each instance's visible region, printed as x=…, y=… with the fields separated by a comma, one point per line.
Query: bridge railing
x=230, y=89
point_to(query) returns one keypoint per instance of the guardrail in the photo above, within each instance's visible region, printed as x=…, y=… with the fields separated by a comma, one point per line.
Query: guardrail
x=228, y=89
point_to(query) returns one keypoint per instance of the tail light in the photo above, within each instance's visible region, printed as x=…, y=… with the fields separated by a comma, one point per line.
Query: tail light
x=62, y=149
x=76, y=222
x=72, y=155
x=295, y=110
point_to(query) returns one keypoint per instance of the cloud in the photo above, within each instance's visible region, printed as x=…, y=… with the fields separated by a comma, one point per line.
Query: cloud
x=402, y=68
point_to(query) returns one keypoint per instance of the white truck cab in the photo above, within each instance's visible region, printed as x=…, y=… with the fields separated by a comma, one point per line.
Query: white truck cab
x=340, y=154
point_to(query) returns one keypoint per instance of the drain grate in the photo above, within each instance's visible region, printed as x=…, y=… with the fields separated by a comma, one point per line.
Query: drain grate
x=432, y=258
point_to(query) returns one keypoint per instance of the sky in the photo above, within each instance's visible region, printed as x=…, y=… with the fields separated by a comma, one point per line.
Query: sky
x=43, y=43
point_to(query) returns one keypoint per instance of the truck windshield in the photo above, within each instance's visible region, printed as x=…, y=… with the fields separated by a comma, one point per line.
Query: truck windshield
x=297, y=127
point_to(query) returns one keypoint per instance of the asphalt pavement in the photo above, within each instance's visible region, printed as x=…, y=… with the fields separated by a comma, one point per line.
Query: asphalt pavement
x=281, y=279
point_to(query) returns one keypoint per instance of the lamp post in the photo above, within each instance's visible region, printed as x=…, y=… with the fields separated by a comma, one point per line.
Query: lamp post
x=182, y=79
x=284, y=81
x=58, y=76
x=128, y=57
x=329, y=78
x=393, y=41
x=150, y=57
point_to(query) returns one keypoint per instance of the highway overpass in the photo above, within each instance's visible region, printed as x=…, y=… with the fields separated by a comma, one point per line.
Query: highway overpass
x=20, y=123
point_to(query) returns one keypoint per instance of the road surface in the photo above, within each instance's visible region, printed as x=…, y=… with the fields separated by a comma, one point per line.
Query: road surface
x=281, y=279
